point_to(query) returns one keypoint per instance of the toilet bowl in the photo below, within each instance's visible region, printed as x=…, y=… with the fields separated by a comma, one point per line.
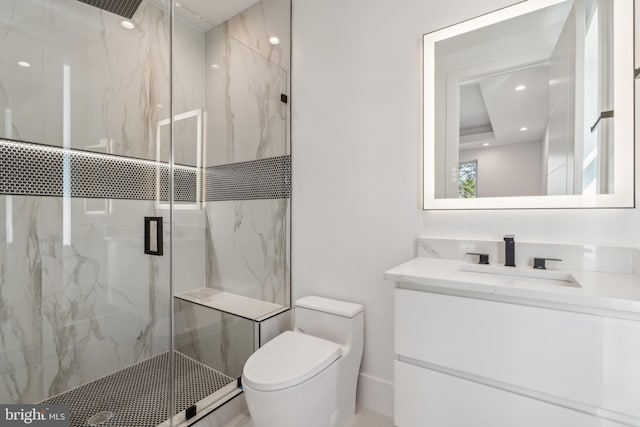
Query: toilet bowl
x=308, y=376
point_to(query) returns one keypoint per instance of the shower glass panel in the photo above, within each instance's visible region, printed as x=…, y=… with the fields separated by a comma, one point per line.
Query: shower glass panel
x=145, y=181
x=231, y=278
x=84, y=311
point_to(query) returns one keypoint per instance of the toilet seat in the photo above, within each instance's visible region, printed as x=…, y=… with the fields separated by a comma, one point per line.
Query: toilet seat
x=287, y=360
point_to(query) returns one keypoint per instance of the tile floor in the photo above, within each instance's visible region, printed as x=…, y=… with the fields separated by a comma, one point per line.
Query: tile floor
x=364, y=418
x=367, y=418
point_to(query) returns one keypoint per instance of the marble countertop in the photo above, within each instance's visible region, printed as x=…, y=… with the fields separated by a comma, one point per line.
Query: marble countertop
x=611, y=292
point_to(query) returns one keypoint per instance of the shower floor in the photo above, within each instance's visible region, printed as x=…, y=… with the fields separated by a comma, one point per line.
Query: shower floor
x=138, y=395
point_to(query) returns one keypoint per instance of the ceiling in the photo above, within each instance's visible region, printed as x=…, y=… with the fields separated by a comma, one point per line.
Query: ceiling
x=216, y=12
x=493, y=111
x=490, y=63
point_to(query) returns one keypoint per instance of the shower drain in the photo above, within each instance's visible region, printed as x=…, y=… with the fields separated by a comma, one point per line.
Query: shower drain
x=100, y=418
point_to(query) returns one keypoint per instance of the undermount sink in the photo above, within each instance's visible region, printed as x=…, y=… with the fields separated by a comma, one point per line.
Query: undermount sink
x=514, y=275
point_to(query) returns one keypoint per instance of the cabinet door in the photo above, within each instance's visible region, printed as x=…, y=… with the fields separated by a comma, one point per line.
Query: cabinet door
x=584, y=358
x=425, y=398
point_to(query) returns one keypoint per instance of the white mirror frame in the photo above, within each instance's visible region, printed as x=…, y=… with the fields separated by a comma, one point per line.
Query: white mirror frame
x=623, y=124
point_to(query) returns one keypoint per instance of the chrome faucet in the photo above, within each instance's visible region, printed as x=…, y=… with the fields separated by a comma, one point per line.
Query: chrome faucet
x=509, y=250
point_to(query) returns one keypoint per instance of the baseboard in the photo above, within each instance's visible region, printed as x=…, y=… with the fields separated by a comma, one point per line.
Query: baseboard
x=375, y=394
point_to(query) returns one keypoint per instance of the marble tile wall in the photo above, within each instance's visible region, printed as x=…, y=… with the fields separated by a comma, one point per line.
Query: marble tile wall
x=257, y=24
x=119, y=78
x=248, y=248
x=71, y=313
x=247, y=120
x=76, y=305
x=79, y=299
x=248, y=241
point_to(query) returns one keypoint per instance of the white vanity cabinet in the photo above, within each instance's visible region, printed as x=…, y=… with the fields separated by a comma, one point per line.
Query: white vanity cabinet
x=465, y=361
x=426, y=398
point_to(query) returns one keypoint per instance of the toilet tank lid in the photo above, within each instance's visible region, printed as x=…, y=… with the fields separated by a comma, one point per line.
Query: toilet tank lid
x=331, y=306
x=289, y=359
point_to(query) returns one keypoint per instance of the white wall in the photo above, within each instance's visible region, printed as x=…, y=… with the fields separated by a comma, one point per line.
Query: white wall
x=357, y=147
x=559, y=149
x=508, y=170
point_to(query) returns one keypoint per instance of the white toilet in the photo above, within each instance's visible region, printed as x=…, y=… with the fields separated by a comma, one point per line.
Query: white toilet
x=307, y=377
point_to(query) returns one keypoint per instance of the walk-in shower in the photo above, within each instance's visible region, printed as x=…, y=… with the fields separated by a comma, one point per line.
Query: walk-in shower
x=145, y=187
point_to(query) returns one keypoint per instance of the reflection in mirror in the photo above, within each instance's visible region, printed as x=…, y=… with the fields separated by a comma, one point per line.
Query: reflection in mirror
x=523, y=103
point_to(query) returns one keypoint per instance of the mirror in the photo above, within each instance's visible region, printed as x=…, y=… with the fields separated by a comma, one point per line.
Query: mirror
x=531, y=106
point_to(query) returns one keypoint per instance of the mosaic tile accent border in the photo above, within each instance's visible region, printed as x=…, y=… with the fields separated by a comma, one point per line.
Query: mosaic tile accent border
x=257, y=179
x=42, y=170
x=138, y=395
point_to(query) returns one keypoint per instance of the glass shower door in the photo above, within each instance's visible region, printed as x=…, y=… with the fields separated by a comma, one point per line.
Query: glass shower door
x=85, y=300
x=144, y=203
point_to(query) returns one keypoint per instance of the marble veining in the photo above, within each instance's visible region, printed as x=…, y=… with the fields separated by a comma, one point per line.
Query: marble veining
x=78, y=298
x=254, y=26
x=74, y=311
x=246, y=120
x=250, y=243
x=118, y=78
x=21, y=305
x=247, y=242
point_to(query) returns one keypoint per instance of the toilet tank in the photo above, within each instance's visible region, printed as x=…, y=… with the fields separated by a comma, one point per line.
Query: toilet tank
x=333, y=320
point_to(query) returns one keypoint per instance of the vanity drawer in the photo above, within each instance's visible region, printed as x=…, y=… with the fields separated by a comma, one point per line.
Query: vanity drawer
x=426, y=398
x=584, y=358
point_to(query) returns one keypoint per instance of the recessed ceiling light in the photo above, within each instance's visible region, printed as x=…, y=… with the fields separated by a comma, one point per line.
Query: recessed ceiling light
x=520, y=87
x=128, y=25
x=24, y=64
x=486, y=144
x=178, y=5
x=215, y=66
x=274, y=40
x=523, y=128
